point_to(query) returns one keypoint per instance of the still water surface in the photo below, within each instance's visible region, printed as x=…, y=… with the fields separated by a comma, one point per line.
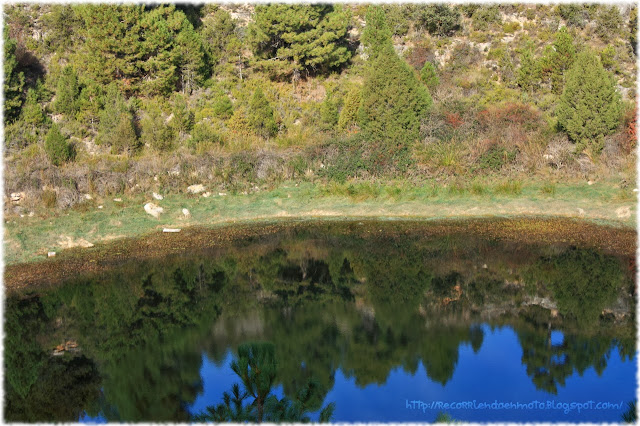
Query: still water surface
x=378, y=324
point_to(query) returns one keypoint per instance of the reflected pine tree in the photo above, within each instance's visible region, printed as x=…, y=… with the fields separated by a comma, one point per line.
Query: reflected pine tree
x=256, y=367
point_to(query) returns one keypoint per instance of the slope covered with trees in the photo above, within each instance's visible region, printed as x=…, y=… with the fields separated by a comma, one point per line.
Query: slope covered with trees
x=106, y=99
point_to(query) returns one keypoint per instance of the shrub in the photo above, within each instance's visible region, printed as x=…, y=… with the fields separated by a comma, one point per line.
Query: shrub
x=609, y=23
x=575, y=15
x=496, y=157
x=222, y=107
x=485, y=16
x=511, y=27
x=49, y=198
x=438, y=19
x=590, y=106
x=57, y=147
x=204, y=132
x=509, y=114
x=428, y=75
x=349, y=113
x=260, y=116
x=155, y=131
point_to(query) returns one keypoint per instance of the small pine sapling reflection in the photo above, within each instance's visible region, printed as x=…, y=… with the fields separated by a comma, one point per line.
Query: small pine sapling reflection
x=256, y=366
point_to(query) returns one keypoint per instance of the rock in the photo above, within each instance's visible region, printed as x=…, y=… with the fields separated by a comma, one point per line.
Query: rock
x=590, y=183
x=484, y=266
x=186, y=212
x=155, y=178
x=51, y=254
x=580, y=211
x=99, y=207
x=16, y=196
x=623, y=212
x=153, y=209
x=157, y=196
x=222, y=194
x=195, y=189
x=170, y=230
x=31, y=214
x=117, y=200
x=88, y=197
x=206, y=195
x=66, y=241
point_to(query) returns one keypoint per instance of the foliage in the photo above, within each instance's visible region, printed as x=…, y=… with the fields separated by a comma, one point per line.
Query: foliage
x=609, y=22
x=496, y=157
x=376, y=34
x=438, y=19
x=484, y=16
x=575, y=15
x=557, y=59
x=260, y=117
x=150, y=50
x=293, y=39
x=67, y=92
x=392, y=101
x=116, y=122
x=429, y=76
x=590, y=106
x=257, y=368
x=349, y=113
x=528, y=72
x=631, y=415
x=633, y=29
x=13, y=81
x=57, y=147
x=155, y=131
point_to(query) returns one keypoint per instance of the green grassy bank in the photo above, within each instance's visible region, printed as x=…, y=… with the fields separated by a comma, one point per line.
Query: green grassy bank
x=29, y=238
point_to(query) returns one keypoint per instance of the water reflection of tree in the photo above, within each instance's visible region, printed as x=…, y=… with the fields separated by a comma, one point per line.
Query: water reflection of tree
x=257, y=368
x=144, y=327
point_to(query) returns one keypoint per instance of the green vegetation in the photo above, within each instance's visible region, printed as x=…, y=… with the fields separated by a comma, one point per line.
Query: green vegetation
x=57, y=147
x=155, y=98
x=590, y=107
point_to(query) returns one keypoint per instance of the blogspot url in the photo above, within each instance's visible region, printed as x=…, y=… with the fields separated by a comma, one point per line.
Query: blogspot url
x=565, y=407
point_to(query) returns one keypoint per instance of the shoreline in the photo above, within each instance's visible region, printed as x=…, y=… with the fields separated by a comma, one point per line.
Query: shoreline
x=590, y=232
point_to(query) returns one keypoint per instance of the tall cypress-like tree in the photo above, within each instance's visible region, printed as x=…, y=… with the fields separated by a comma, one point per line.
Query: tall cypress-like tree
x=590, y=106
x=393, y=101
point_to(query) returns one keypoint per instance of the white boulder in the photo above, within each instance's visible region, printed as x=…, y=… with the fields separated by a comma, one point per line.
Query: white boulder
x=153, y=209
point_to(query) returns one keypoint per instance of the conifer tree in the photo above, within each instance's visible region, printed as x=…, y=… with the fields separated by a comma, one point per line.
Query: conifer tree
x=349, y=112
x=290, y=40
x=393, y=102
x=260, y=117
x=376, y=34
x=590, y=106
x=528, y=71
x=67, y=92
x=57, y=147
x=13, y=80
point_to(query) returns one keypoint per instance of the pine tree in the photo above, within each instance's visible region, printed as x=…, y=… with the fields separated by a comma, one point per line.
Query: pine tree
x=116, y=122
x=13, y=80
x=57, y=147
x=590, y=106
x=393, y=102
x=291, y=39
x=376, y=34
x=557, y=59
x=67, y=92
x=528, y=72
x=260, y=117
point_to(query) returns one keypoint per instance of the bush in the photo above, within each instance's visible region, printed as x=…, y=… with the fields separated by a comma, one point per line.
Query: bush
x=575, y=15
x=49, y=198
x=485, y=16
x=57, y=147
x=496, y=157
x=428, y=75
x=511, y=27
x=590, y=106
x=609, y=23
x=260, y=116
x=438, y=19
x=155, y=131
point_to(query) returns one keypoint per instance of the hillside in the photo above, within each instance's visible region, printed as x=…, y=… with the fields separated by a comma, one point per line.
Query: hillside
x=113, y=101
